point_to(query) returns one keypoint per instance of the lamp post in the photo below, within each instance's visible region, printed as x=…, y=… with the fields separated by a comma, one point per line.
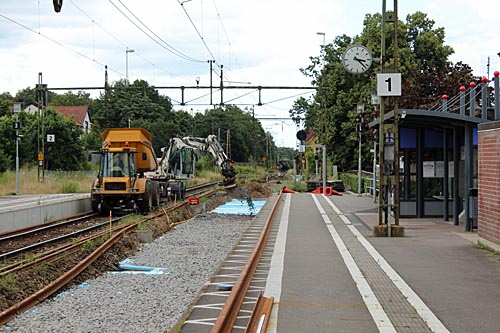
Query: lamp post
x=126, y=61
x=17, y=109
x=322, y=34
x=323, y=116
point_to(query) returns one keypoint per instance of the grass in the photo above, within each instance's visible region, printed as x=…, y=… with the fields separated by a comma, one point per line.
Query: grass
x=54, y=182
x=50, y=183
x=482, y=246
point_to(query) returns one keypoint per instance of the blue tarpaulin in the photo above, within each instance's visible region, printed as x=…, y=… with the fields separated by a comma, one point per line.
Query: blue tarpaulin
x=239, y=207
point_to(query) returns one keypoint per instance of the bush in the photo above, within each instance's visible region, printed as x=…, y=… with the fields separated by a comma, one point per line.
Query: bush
x=69, y=188
x=5, y=161
x=351, y=182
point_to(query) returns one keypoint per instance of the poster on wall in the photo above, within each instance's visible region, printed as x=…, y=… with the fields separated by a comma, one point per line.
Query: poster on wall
x=439, y=170
x=428, y=169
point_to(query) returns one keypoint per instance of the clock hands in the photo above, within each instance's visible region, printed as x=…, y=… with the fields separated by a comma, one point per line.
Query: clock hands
x=361, y=61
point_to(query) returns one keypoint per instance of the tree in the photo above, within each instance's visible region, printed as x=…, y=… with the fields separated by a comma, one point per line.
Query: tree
x=129, y=102
x=423, y=62
x=67, y=153
x=6, y=101
x=69, y=98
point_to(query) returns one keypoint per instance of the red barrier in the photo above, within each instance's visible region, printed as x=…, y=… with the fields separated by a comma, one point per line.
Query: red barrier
x=328, y=190
x=193, y=201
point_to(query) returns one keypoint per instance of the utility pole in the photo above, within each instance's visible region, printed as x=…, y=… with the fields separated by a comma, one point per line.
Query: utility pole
x=211, y=82
x=17, y=125
x=41, y=93
x=221, y=85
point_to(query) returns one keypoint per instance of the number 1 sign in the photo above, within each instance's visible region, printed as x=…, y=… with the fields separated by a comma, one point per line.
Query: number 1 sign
x=389, y=84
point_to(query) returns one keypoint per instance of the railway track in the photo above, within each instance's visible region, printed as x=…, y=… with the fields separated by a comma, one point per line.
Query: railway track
x=109, y=238
x=240, y=280
x=29, y=240
x=100, y=236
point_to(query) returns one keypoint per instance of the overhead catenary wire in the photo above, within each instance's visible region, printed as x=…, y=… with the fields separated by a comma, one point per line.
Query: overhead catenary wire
x=158, y=40
x=197, y=31
x=60, y=44
x=117, y=39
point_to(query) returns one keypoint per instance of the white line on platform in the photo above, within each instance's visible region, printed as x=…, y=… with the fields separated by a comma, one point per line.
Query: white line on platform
x=374, y=307
x=427, y=315
x=275, y=277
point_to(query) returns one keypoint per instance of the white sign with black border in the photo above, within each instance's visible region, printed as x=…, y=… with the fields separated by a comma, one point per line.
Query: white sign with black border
x=388, y=84
x=51, y=138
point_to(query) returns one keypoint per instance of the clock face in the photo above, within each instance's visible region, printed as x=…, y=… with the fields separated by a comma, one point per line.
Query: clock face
x=357, y=59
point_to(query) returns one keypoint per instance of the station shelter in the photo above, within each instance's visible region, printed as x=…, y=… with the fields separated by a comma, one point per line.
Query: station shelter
x=438, y=155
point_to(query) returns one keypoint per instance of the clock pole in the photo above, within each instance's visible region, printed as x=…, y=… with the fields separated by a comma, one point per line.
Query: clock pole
x=388, y=144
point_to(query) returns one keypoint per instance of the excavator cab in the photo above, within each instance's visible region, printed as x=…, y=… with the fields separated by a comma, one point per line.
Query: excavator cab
x=118, y=164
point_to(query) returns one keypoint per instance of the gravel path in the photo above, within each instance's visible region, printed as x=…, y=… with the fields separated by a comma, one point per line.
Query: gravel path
x=125, y=302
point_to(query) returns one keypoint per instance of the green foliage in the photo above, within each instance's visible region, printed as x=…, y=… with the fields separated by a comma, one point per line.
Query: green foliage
x=351, y=181
x=69, y=188
x=88, y=244
x=295, y=186
x=5, y=161
x=422, y=60
x=128, y=104
x=8, y=280
x=6, y=101
x=67, y=152
x=69, y=98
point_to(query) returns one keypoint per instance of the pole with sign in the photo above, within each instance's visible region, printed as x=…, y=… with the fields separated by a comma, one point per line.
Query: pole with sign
x=17, y=126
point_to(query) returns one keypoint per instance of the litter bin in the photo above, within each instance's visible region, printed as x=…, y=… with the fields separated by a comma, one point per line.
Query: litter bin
x=473, y=207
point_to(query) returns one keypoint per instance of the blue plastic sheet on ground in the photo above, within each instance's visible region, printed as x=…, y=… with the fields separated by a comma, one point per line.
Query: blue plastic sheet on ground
x=128, y=267
x=239, y=207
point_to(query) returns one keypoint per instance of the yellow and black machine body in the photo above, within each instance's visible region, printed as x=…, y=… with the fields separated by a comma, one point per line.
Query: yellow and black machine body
x=126, y=155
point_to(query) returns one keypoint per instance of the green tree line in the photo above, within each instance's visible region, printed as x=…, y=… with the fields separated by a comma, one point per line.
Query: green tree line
x=125, y=104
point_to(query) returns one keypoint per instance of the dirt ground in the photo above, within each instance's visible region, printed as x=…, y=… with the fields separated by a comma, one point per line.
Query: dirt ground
x=16, y=287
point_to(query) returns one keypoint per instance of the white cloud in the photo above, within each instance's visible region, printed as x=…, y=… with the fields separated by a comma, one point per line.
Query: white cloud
x=267, y=42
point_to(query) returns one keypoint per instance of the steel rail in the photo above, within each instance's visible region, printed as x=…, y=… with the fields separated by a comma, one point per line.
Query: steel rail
x=228, y=315
x=60, y=282
x=64, y=249
x=8, y=235
x=64, y=279
x=73, y=234
x=259, y=319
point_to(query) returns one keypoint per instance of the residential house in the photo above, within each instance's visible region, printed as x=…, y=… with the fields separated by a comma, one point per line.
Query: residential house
x=79, y=113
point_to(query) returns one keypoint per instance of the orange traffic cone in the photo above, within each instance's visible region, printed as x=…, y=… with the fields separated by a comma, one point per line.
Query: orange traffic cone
x=335, y=192
x=319, y=190
x=286, y=190
x=328, y=190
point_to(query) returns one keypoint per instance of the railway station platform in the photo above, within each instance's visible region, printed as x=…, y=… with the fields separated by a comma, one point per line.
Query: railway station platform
x=21, y=211
x=328, y=273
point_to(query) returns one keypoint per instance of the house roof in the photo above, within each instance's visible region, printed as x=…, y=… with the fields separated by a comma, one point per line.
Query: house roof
x=78, y=112
x=310, y=135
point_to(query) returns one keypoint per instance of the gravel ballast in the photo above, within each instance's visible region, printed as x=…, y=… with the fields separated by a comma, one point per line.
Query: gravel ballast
x=127, y=302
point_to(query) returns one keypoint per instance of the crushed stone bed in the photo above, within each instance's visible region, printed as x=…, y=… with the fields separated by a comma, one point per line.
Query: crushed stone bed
x=140, y=302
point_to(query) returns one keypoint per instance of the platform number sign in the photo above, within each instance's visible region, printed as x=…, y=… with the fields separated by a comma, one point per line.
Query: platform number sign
x=51, y=138
x=389, y=84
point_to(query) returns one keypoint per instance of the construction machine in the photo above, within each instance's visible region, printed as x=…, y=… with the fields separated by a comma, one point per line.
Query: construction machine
x=126, y=155
x=179, y=157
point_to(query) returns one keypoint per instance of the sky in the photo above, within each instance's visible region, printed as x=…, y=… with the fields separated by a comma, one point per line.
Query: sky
x=257, y=43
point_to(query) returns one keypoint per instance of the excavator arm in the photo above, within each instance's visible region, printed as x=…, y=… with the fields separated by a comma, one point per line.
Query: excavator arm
x=173, y=162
